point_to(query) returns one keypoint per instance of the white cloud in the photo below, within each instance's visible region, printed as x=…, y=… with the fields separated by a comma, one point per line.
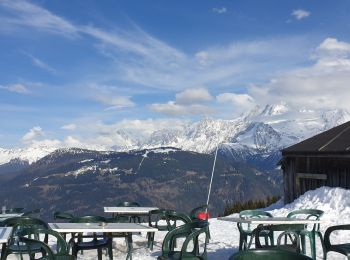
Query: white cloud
x=115, y=102
x=23, y=13
x=202, y=57
x=237, y=99
x=325, y=84
x=220, y=10
x=331, y=47
x=193, y=95
x=188, y=102
x=300, y=14
x=69, y=127
x=17, y=88
x=34, y=133
x=41, y=64
x=143, y=60
x=173, y=109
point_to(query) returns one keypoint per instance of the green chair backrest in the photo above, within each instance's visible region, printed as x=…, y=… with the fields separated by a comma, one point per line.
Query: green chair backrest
x=128, y=204
x=63, y=215
x=190, y=231
x=35, y=212
x=33, y=243
x=20, y=224
x=118, y=219
x=288, y=237
x=88, y=219
x=157, y=215
x=268, y=254
x=15, y=210
x=251, y=214
x=307, y=214
x=173, y=218
x=194, y=212
x=25, y=221
x=62, y=248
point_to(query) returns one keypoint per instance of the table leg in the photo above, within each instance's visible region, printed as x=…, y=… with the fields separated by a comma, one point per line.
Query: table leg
x=130, y=247
x=3, y=251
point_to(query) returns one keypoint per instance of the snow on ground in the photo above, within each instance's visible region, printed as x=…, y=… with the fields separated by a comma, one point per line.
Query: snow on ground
x=334, y=202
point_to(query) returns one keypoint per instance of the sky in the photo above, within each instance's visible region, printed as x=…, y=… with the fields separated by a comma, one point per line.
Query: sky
x=74, y=72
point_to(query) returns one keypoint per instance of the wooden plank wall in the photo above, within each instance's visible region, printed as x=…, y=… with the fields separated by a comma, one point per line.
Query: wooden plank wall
x=336, y=169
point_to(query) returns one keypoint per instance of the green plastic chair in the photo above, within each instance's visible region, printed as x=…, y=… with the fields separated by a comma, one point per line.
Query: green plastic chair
x=33, y=243
x=173, y=218
x=20, y=224
x=62, y=248
x=246, y=230
x=15, y=210
x=34, y=212
x=135, y=219
x=288, y=238
x=194, y=212
x=268, y=254
x=128, y=204
x=307, y=232
x=343, y=249
x=159, y=219
x=66, y=216
x=191, y=248
x=127, y=236
x=97, y=242
x=63, y=215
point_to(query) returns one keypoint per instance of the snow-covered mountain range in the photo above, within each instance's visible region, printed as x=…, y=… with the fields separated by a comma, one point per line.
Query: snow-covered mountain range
x=261, y=130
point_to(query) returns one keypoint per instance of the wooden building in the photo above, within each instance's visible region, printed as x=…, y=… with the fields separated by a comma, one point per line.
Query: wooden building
x=322, y=160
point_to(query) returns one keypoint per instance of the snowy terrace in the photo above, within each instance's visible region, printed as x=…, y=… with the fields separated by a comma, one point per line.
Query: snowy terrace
x=334, y=202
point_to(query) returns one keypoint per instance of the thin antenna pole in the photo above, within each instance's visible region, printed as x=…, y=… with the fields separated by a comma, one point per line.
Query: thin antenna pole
x=212, y=174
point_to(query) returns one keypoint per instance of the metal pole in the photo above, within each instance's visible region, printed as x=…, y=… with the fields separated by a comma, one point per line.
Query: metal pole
x=212, y=174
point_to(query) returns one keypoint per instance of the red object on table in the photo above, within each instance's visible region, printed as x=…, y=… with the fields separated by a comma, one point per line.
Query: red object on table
x=203, y=215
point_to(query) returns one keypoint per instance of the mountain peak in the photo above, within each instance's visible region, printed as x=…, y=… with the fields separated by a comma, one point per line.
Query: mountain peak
x=276, y=109
x=267, y=128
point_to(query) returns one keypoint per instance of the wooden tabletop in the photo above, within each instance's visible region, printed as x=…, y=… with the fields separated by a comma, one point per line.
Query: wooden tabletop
x=5, y=234
x=129, y=210
x=272, y=221
x=100, y=227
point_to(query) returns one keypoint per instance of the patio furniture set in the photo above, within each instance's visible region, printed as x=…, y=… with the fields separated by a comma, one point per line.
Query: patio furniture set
x=293, y=231
x=25, y=235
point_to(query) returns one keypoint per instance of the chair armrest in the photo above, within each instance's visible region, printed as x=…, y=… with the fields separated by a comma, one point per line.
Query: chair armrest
x=194, y=237
x=328, y=232
x=32, y=242
x=180, y=231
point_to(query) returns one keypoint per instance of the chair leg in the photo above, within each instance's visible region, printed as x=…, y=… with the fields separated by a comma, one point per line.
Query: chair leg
x=240, y=243
x=272, y=239
x=150, y=240
x=75, y=252
x=303, y=244
x=110, y=250
x=312, y=245
x=3, y=249
x=130, y=248
x=99, y=253
x=266, y=240
x=322, y=244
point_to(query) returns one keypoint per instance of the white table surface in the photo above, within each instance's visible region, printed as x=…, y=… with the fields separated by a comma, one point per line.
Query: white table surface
x=129, y=210
x=5, y=233
x=272, y=221
x=9, y=215
x=98, y=228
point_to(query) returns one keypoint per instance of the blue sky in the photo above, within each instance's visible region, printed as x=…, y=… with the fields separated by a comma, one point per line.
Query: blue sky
x=78, y=71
